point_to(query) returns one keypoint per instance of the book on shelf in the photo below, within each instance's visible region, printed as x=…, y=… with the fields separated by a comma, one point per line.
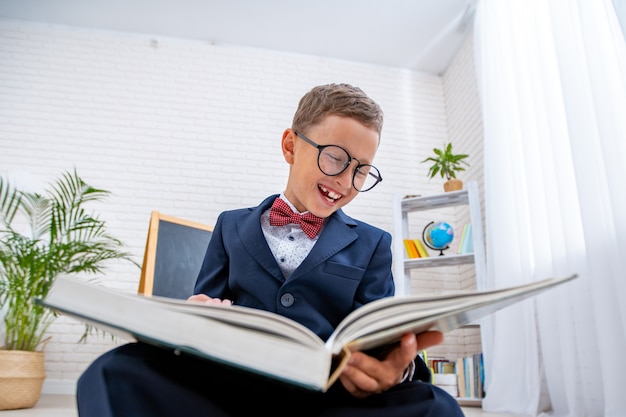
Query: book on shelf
x=411, y=249
x=444, y=379
x=269, y=344
x=460, y=376
x=462, y=239
x=421, y=248
x=467, y=245
x=441, y=366
x=447, y=382
x=448, y=368
x=480, y=374
x=468, y=362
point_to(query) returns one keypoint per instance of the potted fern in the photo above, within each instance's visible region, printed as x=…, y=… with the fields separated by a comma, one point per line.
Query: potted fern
x=62, y=238
x=447, y=164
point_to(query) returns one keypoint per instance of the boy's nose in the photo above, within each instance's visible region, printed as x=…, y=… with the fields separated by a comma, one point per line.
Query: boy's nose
x=345, y=178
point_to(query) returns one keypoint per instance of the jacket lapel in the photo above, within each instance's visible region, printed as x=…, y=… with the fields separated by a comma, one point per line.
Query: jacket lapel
x=336, y=235
x=251, y=237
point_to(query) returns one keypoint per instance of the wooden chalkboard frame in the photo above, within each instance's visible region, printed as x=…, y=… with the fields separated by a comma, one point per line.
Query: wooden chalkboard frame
x=149, y=266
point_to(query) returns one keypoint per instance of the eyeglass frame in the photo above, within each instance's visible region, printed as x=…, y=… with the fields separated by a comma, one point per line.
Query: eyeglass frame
x=320, y=148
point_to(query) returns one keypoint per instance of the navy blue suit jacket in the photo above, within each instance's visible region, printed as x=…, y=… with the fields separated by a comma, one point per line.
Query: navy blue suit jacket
x=350, y=265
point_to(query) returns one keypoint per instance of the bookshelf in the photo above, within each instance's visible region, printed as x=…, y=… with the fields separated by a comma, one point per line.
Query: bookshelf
x=439, y=203
x=402, y=207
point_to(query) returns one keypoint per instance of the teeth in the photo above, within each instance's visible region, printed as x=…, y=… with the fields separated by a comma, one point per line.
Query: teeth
x=330, y=194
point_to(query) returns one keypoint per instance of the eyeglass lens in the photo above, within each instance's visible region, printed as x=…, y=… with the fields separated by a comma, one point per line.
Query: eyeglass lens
x=333, y=160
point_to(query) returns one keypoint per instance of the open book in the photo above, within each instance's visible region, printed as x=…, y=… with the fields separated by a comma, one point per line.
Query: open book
x=269, y=344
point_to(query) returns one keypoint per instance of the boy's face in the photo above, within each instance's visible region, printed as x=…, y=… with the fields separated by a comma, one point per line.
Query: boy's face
x=308, y=188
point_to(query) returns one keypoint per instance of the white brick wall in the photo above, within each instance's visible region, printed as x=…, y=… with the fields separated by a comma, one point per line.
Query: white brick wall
x=184, y=127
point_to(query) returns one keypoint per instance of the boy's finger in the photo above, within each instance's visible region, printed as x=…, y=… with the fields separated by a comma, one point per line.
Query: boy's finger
x=429, y=339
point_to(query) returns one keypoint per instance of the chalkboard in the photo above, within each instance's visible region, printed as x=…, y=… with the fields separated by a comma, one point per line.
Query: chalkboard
x=174, y=253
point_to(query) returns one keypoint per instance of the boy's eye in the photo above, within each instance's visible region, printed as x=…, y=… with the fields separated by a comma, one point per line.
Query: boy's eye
x=336, y=157
x=363, y=171
x=333, y=161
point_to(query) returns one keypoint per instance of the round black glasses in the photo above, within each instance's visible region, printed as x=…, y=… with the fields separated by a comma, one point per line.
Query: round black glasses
x=332, y=160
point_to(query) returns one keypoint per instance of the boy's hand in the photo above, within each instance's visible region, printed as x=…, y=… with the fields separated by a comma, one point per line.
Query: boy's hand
x=366, y=375
x=203, y=298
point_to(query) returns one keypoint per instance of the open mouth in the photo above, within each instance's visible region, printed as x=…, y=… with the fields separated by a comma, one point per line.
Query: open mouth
x=330, y=196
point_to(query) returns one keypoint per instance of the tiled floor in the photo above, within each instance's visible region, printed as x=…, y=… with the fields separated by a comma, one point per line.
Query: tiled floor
x=64, y=406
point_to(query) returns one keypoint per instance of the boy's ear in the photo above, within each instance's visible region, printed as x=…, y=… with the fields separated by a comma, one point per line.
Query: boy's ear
x=288, y=145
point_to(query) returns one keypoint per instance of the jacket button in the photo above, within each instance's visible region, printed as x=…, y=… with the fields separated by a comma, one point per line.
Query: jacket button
x=287, y=300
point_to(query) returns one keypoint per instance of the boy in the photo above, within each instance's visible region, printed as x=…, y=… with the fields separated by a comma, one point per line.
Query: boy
x=314, y=271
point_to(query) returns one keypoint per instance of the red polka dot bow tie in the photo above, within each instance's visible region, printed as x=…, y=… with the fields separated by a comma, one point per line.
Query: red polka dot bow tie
x=281, y=214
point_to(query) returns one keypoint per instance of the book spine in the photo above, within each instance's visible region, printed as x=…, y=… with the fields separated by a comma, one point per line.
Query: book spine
x=468, y=246
x=462, y=241
x=421, y=249
x=460, y=376
x=469, y=376
x=411, y=250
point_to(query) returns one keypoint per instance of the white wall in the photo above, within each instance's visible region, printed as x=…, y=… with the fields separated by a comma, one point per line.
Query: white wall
x=183, y=127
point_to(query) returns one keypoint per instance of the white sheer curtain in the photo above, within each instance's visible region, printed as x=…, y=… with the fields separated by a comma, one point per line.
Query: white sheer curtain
x=552, y=80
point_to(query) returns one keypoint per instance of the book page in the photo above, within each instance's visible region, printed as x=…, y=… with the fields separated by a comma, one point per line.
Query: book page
x=385, y=321
x=252, y=318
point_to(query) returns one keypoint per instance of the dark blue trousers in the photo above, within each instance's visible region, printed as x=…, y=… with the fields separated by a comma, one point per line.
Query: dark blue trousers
x=136, y=380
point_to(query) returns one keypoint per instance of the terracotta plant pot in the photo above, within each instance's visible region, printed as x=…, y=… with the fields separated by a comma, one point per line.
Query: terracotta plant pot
x=453, y=185
x=21, y=377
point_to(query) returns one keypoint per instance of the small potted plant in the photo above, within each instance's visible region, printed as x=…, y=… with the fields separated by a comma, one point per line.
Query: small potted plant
x=62, y=238
x=447, y=165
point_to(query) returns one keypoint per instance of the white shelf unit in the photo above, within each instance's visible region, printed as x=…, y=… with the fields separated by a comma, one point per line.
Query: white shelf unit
x=403, y=206
x=403, y=265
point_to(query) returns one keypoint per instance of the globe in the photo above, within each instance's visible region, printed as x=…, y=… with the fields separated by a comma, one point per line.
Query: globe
x=438, y=235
